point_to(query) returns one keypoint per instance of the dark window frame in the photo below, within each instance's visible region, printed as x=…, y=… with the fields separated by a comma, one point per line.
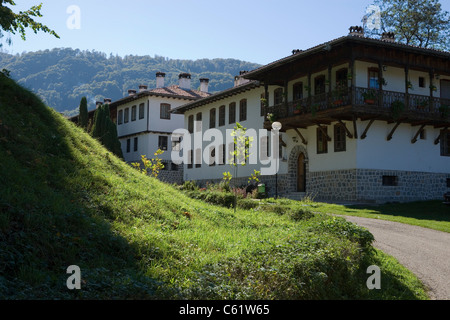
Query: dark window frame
x=163, y=140
x=135, y=144
x=141, y=111
x=445, y=143
x=322, y=142
x=389, y=181
x=340, y=138
x=243, y=110
x=222, y=115
x=120, y=117
x=133, y=113
x=126, y=115
x=164, y=111
x=212, y=118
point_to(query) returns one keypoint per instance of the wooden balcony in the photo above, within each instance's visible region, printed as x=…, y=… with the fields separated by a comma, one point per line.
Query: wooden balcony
x=360, y=103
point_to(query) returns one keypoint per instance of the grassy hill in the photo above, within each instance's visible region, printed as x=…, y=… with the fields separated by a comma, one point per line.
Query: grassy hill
x=65, y=200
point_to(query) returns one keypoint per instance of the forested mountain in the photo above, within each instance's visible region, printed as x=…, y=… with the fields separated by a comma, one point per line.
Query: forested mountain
x=61, y=77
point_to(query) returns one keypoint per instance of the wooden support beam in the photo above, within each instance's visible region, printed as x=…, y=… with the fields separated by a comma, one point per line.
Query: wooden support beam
x=355, y=128
x=364, y=135
x=282, y=142
x=436, y=141
x=414, y=140
x=301, y=136
x=389, y=137
x=349, y=134
x=323, y=131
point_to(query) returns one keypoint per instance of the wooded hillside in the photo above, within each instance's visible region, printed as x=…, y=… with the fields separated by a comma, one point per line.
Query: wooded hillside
x=61, y=77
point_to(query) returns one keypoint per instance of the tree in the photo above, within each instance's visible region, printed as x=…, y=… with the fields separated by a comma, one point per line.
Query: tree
x=83, y=118
x=421, y=23
x=17, y=22
x=104, y=129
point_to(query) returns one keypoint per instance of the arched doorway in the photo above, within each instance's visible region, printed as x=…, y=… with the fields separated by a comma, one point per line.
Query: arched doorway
x=301, y=173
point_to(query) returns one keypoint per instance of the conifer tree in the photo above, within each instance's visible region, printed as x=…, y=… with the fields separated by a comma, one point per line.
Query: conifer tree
x=105, y=130
x=83, y=118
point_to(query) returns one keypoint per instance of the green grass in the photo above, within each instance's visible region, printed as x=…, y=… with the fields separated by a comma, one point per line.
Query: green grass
x=65, y=200
x=428, y=214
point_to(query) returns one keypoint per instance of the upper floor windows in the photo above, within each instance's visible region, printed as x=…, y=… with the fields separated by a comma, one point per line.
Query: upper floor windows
x=126, y=115
x=297, y=91
x=120, y=117
x=319, y=85
x=374, y=78
x=212, y=118
x=221, y=116
x=243, y=110
x=445, y=143
x=232, y=113
x=141, y=111
x=341, y=77
x=278, y=96
x=322, y=142
x=165, y=111
x=133, y=113
x=191, y=124
x=198, y=119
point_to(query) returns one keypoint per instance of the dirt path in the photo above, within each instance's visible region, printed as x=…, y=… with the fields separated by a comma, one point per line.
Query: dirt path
x=424, y=251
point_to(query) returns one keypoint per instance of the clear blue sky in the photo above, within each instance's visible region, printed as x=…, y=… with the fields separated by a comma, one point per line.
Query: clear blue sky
x=258, y=31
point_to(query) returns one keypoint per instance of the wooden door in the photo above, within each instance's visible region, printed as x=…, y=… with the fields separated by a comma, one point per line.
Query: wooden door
x=301, y=173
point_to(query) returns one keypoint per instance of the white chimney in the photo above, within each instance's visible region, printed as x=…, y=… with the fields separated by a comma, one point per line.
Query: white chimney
x=98, y=104
x=107, y=100
x=131, y=92
x=204, y=83
x=142, y=88
x=239, y=80
x=160, y=79
x=184, y=80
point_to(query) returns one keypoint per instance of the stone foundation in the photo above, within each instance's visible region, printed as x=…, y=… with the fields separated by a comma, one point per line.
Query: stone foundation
x=356, y=185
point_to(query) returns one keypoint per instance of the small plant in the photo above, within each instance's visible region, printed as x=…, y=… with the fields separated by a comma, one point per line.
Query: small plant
x=369, y=96
x=154, y=165
x=254, y=177
x=271, y=117
x=410, y=86
x=397, y=107
x=433, y=87
x=264, y=102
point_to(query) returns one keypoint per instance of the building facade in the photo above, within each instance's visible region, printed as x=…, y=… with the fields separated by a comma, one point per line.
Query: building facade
x=145, y=123
x=363, y=120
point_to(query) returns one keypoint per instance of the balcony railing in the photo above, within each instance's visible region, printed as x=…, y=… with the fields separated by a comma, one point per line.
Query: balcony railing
x=364, y=99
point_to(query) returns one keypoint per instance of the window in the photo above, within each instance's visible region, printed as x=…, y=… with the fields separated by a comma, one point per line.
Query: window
x=391, y=181
x=212, y=157
x=135, y=147
x=212, y=118
x=176, y=143
x=222, y=154
x=374, y=78
x=198, y=158
x=264, y=104
x=173, y=166
x=322, y=142
x=120, y=117
x=445, y=143
x=339, y=138
x=278, y=96
x=221, y=116
x=243, y=110
x=198, y=118
x=133, y=113
x=232, y=113
x=126, y=115
x=190, y=159
x=141, y=111
x=297, y=91
x=191, y=124
x=422, y=82
x=319, y=85
x=128, y=145
x=165, y=111
x=341, y=77
x=162, y=142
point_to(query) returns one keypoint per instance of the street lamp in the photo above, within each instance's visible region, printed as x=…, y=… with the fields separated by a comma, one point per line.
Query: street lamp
x=277, y=127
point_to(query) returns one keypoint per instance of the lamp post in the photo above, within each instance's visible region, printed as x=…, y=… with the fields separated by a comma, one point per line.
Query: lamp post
x=277, y=127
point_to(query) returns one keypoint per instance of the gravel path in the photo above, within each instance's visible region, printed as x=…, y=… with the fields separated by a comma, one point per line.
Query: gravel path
x=424, y=251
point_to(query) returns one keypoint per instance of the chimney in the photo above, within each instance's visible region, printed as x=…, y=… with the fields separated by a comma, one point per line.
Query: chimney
x=107, y=101
x=160, y=79
x=131, y=92
x=239, y=80
x=388, y=36
x=184, y=80
x=98, y=104
x=142, y=88
x=356, y=31
x=204, y=83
